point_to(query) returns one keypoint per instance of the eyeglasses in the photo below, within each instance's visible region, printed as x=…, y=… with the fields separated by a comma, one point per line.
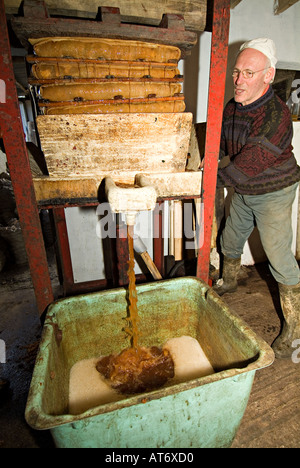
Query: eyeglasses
x=247, y=74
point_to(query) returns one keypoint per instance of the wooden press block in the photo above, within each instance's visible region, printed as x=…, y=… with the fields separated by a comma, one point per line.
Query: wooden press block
x=148, y=12
x=57, y=190
x=105, y=144
x=180, y=184
x=54, y=190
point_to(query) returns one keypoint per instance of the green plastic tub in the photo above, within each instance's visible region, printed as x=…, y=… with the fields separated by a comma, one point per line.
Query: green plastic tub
x=203, y=412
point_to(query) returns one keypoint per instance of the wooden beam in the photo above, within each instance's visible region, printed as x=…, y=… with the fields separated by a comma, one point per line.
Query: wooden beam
x=37, y=23
x=147, y=12
x=87, y=191
x=234, y=3
x=55, y=191
x=281, y=5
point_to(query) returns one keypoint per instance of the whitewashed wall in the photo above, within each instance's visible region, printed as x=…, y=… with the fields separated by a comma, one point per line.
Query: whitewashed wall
x=249, y=19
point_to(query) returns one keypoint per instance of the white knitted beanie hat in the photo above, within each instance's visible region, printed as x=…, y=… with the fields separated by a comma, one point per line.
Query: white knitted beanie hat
x=264, y=45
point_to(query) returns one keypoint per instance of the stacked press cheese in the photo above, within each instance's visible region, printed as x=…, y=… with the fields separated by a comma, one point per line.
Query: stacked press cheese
x=95, y=76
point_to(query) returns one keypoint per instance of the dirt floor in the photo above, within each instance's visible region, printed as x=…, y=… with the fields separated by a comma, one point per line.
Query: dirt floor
x=272, y=417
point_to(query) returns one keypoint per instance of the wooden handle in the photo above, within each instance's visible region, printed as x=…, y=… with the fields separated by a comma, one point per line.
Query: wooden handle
x=151, y=265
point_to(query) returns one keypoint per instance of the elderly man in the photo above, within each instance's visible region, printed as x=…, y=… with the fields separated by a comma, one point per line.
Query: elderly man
x=256, y=135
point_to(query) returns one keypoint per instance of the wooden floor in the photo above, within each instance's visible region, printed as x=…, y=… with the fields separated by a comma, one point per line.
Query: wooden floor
x=272, y=417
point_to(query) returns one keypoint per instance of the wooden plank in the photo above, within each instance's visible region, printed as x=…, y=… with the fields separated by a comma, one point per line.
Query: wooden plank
x=178, y=230
x=178, y=184
x=281, y=5
x=148, y=12
x=93, y=145
x=26, y=28
x=234, y=3
x=57, y=191
x=49, y=190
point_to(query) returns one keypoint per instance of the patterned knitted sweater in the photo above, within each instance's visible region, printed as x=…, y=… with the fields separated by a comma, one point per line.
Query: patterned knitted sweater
x=257, y=138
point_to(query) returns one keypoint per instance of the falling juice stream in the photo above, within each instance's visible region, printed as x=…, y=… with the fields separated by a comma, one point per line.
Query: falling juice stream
x=132, y=328
x=136, y=369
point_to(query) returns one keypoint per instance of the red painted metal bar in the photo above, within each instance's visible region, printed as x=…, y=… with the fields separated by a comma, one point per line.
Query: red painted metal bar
x=63, y=249
x=16, y=152
x=218, y=63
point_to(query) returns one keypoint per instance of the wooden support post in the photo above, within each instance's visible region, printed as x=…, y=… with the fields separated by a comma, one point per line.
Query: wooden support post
x=158, y=240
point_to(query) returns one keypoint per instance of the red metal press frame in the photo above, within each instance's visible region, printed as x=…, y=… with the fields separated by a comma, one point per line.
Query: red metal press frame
x=11, y=131
x=16, y=151
x=216, y=93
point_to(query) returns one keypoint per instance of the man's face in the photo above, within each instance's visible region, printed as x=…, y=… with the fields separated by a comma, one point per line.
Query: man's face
x=249, y=90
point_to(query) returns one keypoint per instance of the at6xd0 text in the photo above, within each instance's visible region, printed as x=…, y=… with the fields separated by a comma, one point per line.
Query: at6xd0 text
x=171, y=457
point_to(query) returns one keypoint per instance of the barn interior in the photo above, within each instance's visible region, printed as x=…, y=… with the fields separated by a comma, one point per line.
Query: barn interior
x=70, y=173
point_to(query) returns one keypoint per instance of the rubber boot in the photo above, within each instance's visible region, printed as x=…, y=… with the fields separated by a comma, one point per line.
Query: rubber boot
x=228, y=282
x=290, y=304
